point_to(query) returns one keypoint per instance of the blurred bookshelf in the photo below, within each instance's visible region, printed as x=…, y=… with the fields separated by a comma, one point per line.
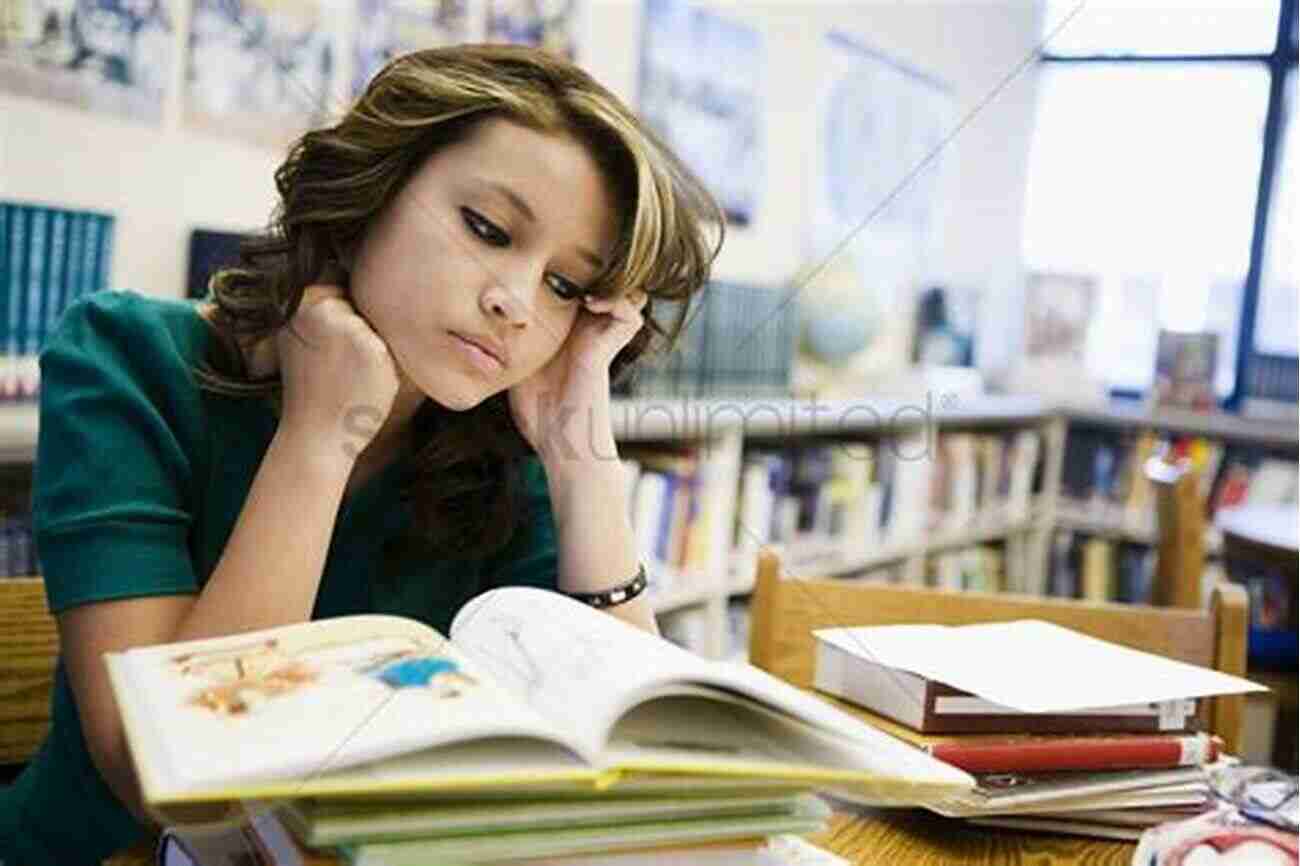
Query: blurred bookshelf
x=984, y=506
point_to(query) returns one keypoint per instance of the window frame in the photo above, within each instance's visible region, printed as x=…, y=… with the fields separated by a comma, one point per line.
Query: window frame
x=1278, y=62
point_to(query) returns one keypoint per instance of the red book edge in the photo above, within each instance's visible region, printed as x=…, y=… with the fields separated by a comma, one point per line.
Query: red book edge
x=1133, y=752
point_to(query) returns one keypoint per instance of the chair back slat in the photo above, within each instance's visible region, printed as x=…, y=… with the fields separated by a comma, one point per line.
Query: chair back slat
x=29, y=648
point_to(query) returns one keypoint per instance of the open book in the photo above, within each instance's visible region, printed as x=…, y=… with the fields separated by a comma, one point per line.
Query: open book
x=533, y=695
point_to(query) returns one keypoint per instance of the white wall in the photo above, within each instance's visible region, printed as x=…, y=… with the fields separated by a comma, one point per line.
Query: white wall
x=162, y=180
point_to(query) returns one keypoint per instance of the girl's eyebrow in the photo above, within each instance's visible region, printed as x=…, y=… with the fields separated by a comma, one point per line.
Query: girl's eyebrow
x=521, y=205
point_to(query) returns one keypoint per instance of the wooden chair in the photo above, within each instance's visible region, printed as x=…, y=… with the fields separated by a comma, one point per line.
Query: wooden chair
x=29, y=648
x=785, y=611
x=1180, y=533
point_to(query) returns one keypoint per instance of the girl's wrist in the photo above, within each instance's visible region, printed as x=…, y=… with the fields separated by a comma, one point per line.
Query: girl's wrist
x=584, y=463
x=326, y=458
x=576, y=438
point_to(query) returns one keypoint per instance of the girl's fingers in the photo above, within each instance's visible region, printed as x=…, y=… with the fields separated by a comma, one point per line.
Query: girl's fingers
x=636, y=299
x=617, y=321
x=626, y=311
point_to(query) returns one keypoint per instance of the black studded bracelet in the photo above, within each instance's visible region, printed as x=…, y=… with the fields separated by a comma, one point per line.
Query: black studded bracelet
x=618, y=595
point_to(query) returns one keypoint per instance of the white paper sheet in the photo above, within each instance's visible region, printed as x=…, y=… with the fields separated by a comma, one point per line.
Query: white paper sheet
x=1033, y=666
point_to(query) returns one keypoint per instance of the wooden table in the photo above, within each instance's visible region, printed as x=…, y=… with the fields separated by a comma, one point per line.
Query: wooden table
x=918, y=838
x=913, y=838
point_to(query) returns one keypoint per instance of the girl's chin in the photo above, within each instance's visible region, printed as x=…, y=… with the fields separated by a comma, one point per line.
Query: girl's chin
x=458, y=399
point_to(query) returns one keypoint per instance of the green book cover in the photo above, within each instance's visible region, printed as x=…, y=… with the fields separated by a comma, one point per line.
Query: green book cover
x=809, y=815
x=323, y=823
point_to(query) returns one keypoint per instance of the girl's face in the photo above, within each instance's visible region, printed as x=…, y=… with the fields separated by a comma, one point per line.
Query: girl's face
x=474, y=275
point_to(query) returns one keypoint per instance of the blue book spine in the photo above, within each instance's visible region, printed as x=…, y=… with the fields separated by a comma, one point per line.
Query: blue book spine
x=104, y=257
x=39, y=237
x=23, y=552
x=5, y=221
x=90, y=252
x=54, y=284
x=664, y=536
x=6, y=546
x=76, y=255
x=13, y=311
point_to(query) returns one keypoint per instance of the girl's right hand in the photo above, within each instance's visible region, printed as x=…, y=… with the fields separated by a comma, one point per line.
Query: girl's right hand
x=339, y=378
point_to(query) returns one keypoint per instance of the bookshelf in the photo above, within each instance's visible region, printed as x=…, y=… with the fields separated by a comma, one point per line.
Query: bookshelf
x=1090, y=502
x=720, y=434
x=725, y=433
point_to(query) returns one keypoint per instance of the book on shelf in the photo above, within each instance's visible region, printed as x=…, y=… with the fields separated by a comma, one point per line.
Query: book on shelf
x=1100, y=568
x=979, y=568
x=1097, y=577
x=974, y=679
x=48, y=258
x=534, y=694
x=1103, y=481
x=1184, y=374
x=671, y=514
x=1254, y=478
x=1269, y=392
x=844, y=500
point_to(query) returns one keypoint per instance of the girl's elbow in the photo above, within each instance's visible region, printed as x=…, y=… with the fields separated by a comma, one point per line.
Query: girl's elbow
x=111, y=756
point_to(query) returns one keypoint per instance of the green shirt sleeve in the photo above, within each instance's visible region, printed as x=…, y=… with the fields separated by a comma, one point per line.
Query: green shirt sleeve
x=109, y=508
x=530, y=559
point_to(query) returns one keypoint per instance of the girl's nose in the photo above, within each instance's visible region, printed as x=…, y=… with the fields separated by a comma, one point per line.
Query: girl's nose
x=505, y=304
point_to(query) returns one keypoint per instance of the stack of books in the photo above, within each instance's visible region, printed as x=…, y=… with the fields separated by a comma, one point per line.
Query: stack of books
x=626, y=832
x=1062, y=732
x=541, y=728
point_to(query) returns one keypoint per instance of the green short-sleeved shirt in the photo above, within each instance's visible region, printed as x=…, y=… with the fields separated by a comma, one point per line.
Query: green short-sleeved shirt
x=139, y=478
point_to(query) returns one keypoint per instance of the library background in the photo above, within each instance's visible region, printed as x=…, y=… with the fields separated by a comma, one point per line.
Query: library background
x=991, y=269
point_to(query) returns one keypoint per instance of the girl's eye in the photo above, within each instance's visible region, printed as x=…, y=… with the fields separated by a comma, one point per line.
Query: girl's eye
x=563, y=288
x=484, y=229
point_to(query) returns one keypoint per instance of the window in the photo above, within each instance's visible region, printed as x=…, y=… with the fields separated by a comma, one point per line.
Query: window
x=1155, y=124
x=1278, y=316
x=1159, y=28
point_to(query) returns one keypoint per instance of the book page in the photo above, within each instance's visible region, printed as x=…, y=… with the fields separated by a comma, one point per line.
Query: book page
x=298, y=702
x=583, y=670
x=705, y=731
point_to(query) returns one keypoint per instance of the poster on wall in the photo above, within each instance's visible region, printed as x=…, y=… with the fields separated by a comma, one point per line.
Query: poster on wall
x=258, y=69
x=1059, y=310
x=391, y=28
x=101, y=55
x=1185, y=365
x=699, y=88
x=877, y=179
x=548, y=24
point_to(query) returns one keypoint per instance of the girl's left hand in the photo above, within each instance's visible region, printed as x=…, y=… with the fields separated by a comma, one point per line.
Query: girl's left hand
x=563, y=409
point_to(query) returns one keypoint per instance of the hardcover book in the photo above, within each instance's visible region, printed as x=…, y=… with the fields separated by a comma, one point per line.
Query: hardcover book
x=533, y=695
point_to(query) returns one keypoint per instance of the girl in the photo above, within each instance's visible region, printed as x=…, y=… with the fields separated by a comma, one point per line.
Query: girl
x=398, y=400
